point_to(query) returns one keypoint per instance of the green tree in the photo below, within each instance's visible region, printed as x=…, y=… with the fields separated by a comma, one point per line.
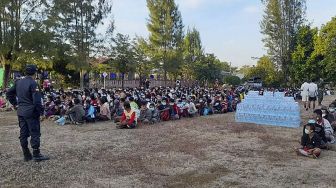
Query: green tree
x=210, y=68
x=143, y=64
x=266, y=70
x=325, y=50
x=123, y=55
x=166, y=35
x=232, y=80
x=281, y=21
x=193, y=52
x=75, y=22
x=304, y=65
x=15, y=17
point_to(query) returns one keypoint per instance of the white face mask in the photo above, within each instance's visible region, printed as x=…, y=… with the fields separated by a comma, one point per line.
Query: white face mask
x=151, y=108
x=163, y=103
x=332, y=110
x=307, y=131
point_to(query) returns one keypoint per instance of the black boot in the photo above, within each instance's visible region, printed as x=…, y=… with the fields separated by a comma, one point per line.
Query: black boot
x=37, y=156
x=27, y=156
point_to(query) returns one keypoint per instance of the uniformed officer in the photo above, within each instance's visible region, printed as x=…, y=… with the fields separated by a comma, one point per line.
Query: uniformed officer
x=26, y=96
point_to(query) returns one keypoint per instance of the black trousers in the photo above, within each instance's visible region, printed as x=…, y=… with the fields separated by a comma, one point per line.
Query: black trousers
x=30, y=126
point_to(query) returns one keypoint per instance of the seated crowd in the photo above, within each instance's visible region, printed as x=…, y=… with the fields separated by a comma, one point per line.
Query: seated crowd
x=319, y=133
x=133, y=106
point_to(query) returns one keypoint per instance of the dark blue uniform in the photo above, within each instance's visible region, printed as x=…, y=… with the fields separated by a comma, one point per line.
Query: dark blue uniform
x=26, y=96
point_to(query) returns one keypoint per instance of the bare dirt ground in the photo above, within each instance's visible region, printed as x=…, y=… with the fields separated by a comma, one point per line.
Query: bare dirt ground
x=200, y=152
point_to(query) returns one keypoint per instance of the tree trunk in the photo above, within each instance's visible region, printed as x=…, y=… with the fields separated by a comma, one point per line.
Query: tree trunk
x=122, y=80
x=165, y=78
x=81, y=78
x=6, y=75
x=140, y=79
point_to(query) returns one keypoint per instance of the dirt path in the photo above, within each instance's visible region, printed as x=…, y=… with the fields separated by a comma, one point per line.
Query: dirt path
x=201, y=152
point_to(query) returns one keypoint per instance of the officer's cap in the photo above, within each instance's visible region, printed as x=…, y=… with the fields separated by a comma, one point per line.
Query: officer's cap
x=31, y=69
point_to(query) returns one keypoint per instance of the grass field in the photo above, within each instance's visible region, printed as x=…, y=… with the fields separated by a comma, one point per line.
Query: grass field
x=209, y=151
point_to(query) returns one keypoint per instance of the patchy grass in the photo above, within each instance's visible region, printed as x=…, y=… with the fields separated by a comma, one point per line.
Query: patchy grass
x=209, y=151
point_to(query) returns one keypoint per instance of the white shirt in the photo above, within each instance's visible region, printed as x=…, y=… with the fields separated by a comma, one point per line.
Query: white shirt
x=192, y=108
x=312, y=89
x=304, y=89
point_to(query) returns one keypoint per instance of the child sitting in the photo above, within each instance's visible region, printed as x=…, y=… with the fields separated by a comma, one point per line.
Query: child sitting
x=328, y=130
x=173, y=110
x=145, y=113
x=89, y=112
x=117, y=111
x=128, y=119
x=105, y=113
x=310, y=142
x=217, y=105
x=192, y=110
x=155, y=113
x=164, y=110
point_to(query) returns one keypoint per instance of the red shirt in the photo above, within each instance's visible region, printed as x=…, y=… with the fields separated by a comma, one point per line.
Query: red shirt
x=131, y=120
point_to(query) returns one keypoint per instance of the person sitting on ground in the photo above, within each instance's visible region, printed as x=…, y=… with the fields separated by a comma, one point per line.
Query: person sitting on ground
x=163, y=108
x=128, y=119
x=225, y=105
x=105, y=113
x=117, y=111
x=155, y=113
x=94, y=102
x=310, y=142
x=145, y=113
x=234, y=103
x=192, y=110
x=59, y=110
x=173, y=110
x=201, y=107
x=183, y=107
x=50, y=107
x=210, y=106
x=328, y=130
x=217, y=104
x=133, y=104
x=89, y=112
x=331, y=115
x=76, y=114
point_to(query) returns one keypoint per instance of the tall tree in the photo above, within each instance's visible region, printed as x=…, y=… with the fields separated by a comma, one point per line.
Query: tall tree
x=166, y=35
x=15, y=16
x=210, y=68
x=192, y=52
x=76, y=23
x=325, y=51
x=304, y=65
x=143, y=64
x=281, y=21
x=123, y=55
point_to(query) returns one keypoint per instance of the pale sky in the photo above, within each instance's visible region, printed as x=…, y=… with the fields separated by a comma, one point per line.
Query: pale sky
x=229, y=28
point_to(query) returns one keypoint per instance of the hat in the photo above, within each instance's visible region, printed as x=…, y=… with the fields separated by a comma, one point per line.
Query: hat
x=31, y=69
